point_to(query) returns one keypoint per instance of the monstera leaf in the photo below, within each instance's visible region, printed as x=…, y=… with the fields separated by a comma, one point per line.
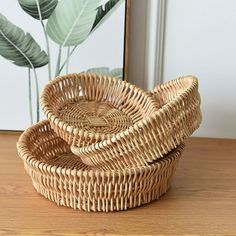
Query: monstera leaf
x=37, y=8
x=105, y=12
x=72, y=21
x=18, y=47
x=117, y=72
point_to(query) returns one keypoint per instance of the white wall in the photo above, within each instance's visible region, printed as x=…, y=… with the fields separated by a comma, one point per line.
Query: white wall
x=200, y=39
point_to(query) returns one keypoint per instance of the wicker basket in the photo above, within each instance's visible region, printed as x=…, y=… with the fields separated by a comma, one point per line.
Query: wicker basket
x=61, y=177
x=176, y=119
x=87, y=108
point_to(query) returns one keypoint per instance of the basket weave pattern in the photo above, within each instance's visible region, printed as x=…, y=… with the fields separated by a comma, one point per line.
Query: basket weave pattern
x=87, y=108
x=108, y=145
x=176, y=119
x=61, y=176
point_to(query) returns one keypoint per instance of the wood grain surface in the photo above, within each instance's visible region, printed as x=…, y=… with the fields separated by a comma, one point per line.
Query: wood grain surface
x=202, y=200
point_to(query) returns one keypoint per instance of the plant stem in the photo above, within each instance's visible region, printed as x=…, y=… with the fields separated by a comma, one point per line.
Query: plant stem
x=58, y=71
x=30, y=97
x=46, y=39
x=37, y=92
x=67, y=58
x=48, y=51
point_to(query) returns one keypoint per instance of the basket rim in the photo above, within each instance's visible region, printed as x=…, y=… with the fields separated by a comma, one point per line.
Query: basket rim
x=28, y=157
x=55, y=119
x=190, y=79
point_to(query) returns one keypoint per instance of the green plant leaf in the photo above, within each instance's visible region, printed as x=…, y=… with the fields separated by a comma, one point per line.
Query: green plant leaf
x=31, y=7
x=18, y=47
x=104, y=14
x=100, y=70
x=116, y=72
x=72, y=21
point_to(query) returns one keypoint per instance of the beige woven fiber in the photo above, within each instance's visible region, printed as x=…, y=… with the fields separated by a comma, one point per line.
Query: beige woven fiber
x=87, y=108
x=61, y=177
x=147, y=140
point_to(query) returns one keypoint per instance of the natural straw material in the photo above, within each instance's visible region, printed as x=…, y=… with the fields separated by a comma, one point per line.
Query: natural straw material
x=61, y=177
x=87, y=108
x=176, y=119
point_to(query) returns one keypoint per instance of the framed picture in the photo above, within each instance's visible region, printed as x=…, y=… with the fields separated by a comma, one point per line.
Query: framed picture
x=42, y=39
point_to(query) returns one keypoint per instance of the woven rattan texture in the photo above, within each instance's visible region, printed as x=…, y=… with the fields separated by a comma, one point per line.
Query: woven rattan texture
x=87, y=108
x=176, y=119
x=97, y=117
x=62, y=178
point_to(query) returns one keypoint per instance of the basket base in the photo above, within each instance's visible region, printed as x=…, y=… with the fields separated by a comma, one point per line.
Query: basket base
x=93, y=116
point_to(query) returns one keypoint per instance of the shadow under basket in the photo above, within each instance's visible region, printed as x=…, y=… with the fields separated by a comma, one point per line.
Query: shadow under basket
x=63, y=178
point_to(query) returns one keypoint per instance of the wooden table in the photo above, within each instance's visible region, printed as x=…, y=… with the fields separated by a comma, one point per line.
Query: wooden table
x=202, y=200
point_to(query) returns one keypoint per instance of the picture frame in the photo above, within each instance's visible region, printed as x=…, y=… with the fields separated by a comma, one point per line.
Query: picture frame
x=126, y=38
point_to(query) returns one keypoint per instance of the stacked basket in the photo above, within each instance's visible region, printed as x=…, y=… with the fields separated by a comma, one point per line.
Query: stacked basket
x=108, y=145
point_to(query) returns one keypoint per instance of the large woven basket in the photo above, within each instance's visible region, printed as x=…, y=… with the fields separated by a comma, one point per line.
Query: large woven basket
x=61, y=177
x=87, y=108
x=176, y=119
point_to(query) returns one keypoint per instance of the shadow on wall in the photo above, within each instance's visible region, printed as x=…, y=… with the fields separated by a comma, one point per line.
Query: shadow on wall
x=137, y=42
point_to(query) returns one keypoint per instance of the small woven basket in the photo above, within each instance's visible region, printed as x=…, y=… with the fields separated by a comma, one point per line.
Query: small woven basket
x=87, y=108
x=176, y=119
x=61, y=177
